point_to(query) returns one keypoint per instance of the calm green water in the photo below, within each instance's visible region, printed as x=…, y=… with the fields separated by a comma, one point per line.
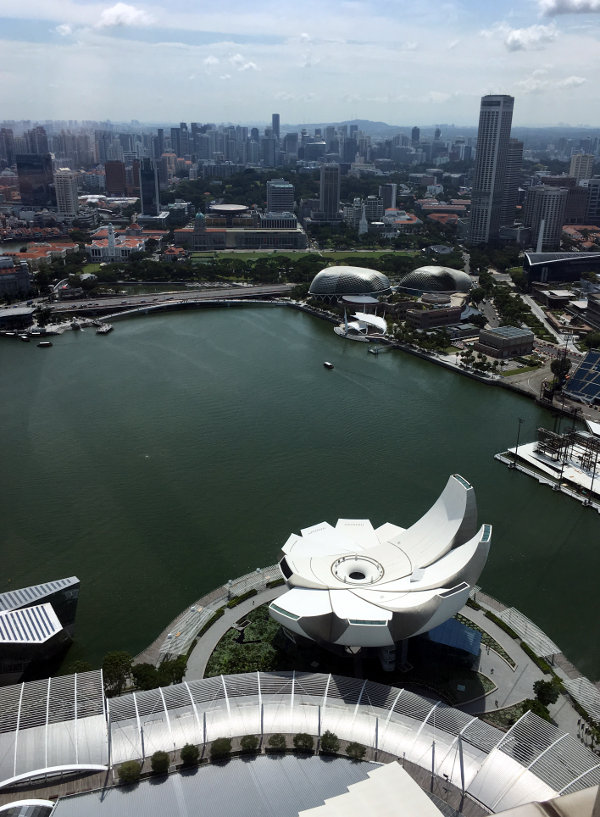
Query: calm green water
x=181, y=450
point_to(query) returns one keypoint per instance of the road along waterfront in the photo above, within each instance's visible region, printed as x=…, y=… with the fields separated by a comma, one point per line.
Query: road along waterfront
x=183, y=449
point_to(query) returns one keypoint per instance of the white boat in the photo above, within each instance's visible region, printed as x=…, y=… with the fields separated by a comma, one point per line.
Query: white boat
x=44, y=344
x=328, y=365
x=104, y=329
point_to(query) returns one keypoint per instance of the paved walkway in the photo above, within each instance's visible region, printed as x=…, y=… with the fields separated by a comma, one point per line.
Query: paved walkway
x=196, y=665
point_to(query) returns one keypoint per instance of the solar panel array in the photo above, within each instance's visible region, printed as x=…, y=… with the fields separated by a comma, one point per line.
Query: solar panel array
x=585, y=383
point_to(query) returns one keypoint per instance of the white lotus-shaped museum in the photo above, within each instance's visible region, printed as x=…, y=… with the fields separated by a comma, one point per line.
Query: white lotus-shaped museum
x=357, y=586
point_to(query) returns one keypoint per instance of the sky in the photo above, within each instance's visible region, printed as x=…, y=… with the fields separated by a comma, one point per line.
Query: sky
x=421, y=62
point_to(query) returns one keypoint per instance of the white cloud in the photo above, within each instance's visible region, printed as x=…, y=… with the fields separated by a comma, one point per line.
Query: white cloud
x=523, y=39
x=571, y=82
x=248, y=66
x=211, y=60
x=237, y=60
x=552, y=7
x=122, y=14
x=452, y=45
x=225, y=76
x=437, y=97
x=64, y=30
x=242, y=64
x=534, y=37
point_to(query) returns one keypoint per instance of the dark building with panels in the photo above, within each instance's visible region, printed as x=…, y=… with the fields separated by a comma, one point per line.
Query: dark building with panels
x=36, y=180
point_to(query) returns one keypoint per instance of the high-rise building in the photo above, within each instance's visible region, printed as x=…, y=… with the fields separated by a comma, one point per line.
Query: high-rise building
x=280, y=196
x=545, y=213
x=593, y=203
x=275, y=125
x=415, y=135
x=329, y=191
x=114, y=173
x=510, y=197
x=149, y=195
x=65, y=185
x=7, y=145
x=493, y=136
x=389, y=194
x=36, y=179
x=36, y=140
x=582, y=166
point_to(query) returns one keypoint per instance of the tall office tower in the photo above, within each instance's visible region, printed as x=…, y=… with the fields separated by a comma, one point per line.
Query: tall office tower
x=203, y=146
x=254, y=134
x=184, y=139
x=353, y=131
x=176, y=141
x=582, y=166
x=280, y=196
x=388, y=193
x=275, y=125
x=160, y=142
x=36, y=181
x=415, y=135
x=7, y=146
x=36, y=140
x=493, y=135
x=437, y=135
x=510, y=197
x=149, y=195
x=329, y=192
x=592, y=215
x=267, y=151
x=65, y=185
x=114, y=174
x=545, y=214
x=290, y=145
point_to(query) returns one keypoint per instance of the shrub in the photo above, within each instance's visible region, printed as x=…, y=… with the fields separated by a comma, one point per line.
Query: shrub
x=303, y=742
x=220, y=748
x=501, y=624
x=546, y=692
x=276, y=582
x=249, y=744
x=541, y=662
x=329, y=743
x=239, y=599
x=278, y=742
x=189, y=754
x=537, y=707
x=130, y=771
x=473, y=604
x=160, y=762
x=355, y=751
x=215, y=617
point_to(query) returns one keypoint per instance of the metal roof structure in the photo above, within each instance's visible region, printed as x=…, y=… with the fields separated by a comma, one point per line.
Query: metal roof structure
x=586, y=694
x=52, y=725
x=529, y=632
x=584, y=384
x=61, y=724
x=30, y=625
x=25, y=596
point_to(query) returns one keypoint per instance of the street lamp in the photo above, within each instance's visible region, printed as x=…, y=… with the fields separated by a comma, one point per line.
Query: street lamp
x=514, y=463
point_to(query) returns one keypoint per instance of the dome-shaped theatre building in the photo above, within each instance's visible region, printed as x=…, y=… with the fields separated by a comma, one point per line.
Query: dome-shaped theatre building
x=432, y=278
x=332, y=283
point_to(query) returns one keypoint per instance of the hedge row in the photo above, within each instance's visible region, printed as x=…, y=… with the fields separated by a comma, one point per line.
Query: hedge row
x=239, y=599
x=276, y=582
x=503, y=626
x=215, y=617
x=541, y=662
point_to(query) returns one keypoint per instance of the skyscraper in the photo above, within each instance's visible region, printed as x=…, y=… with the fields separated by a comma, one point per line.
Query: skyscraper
x=149, y=196
x=36, y=181
x=114, y=173
x=495, y=119
x=415, y=135
x=329, y=195
x=510, y=197
x=581, y=166
x=65, y=185
x=275, y=125
x=280, y=196
x=545, y=214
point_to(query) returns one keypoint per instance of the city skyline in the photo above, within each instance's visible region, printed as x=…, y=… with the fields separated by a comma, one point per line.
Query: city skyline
x=124, y=61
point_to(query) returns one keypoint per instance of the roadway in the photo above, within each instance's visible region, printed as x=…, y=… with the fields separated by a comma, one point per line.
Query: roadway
x=122, y=302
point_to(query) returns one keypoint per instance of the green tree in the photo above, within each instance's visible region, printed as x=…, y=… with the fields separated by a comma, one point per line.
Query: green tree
x=220, y=748
x=355, y=751
x=145, y=676
x=329, y=743
x=303, y=742
x=277, y=742
x=546, y=692
x=560, y=368
x=79, y=666
x=592, y=340
x=249, y=744
x=189, y=754
x=130, y=771
x=116, y=669
x=160, y=762
x=537, y=707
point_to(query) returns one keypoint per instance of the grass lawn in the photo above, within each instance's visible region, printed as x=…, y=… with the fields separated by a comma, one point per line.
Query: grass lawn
x=328, y=255
x=524, y=369
x=91, y=268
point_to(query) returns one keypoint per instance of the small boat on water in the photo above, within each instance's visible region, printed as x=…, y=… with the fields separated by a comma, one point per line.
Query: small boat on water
x=26, y=338
x=44, y=344
x=328, y=365
x=104, y=329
